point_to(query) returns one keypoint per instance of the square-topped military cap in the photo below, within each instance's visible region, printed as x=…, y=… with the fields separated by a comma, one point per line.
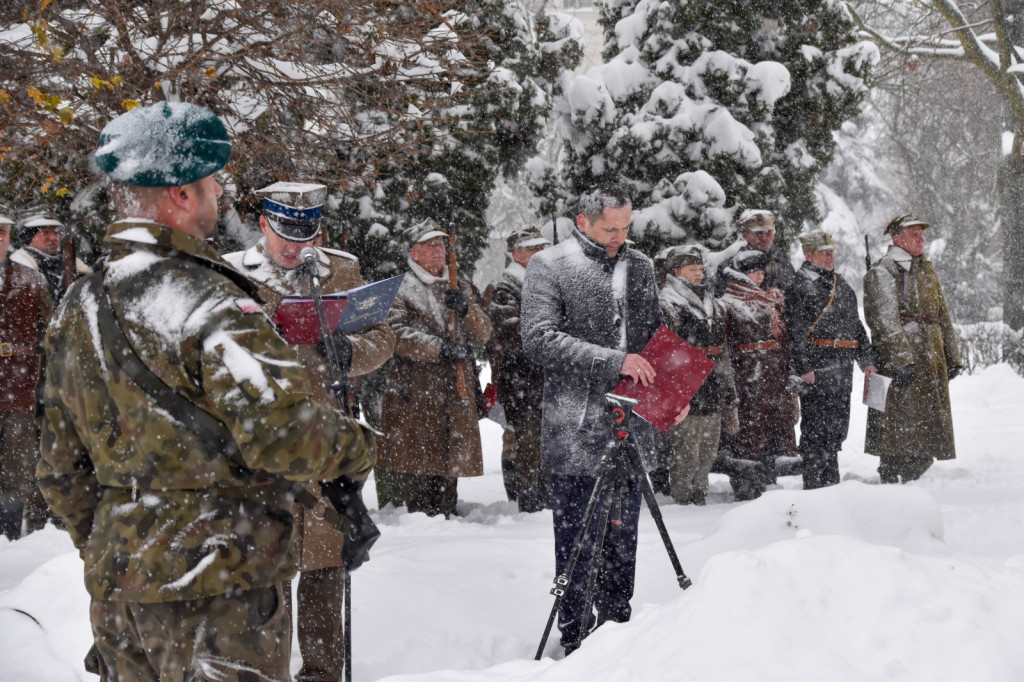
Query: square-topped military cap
x=757, y=220
x=423, y=231
x=817, y=240
x=293, y=209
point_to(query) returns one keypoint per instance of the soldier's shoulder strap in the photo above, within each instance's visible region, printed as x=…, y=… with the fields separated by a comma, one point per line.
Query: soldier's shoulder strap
x=831, y=298
x=204, y=425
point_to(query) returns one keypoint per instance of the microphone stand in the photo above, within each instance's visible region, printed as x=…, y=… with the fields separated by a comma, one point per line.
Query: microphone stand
x=339, y=386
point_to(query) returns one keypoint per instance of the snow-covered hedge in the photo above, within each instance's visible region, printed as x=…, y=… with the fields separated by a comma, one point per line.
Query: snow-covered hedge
x=989, y=343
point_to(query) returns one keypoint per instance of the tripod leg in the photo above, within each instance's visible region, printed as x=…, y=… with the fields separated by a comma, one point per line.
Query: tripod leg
x=347, y=634
x=652, y=504
x=562, y=581
x=595, y=569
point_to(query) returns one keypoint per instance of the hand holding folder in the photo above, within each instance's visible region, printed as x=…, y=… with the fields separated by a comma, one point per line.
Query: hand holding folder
x=680, y=371
x=347, y=311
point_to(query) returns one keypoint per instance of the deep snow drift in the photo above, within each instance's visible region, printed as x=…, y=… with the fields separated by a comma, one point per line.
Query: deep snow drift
x=856, y=582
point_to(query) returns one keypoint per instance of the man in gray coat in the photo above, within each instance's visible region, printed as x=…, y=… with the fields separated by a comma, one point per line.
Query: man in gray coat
x=590, y=305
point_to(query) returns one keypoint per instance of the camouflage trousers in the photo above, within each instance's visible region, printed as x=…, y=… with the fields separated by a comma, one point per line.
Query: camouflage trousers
x=242, y=638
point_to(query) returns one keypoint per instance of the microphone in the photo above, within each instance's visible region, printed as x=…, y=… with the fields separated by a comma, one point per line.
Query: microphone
x=308, y=256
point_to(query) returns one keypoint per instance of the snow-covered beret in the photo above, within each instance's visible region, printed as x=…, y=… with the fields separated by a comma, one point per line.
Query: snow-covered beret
x=757, y=220
x=900, y=223
x=164, y=145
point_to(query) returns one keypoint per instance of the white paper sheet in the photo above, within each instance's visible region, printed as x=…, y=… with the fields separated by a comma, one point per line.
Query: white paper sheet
x=877, y=390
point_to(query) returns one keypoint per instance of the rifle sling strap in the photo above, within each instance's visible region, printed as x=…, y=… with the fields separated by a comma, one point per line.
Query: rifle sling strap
x=202, y=424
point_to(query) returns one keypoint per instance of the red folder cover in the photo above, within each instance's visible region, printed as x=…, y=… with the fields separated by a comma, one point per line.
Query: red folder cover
x=681, y=370
x=296, y=317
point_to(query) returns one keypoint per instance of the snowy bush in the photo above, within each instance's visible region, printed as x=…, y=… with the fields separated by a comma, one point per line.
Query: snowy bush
x=988, y=343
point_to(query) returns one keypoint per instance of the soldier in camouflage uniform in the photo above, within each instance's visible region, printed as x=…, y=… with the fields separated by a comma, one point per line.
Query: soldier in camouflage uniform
x=913, y=333
x=291, y=223
x=186, y=543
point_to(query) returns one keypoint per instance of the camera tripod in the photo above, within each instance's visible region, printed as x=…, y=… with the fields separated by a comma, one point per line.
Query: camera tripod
x=619, y=459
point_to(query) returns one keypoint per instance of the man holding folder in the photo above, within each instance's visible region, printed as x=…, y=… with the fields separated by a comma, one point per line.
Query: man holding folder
x=290, y=222
x=590, y=305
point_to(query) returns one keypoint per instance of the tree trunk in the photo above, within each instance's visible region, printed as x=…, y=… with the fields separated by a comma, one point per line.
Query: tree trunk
x=1011, y=199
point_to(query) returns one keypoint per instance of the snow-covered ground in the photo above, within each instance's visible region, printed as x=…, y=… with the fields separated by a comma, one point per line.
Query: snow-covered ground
x=856, y=582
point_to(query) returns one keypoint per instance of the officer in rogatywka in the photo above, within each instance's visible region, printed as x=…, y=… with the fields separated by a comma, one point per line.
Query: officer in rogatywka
x=828, y=337
x=25, y=310
x=917, y=346
x=692, y=312
x=176, y=421
x=431, y=434
x=520, y=380
x=291, y=221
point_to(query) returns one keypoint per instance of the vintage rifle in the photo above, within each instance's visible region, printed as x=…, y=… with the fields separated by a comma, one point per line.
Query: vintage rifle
x=461, y=391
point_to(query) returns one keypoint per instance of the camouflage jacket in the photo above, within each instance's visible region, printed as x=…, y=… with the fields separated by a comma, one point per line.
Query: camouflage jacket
x=159, y=514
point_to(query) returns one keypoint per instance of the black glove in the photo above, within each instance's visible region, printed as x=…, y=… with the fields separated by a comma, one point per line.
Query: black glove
x=905, y=376
x=343, y=493
x=455, y=299
x=954, y=371
x=342, y=348
x=730, y=396
x=454, y=352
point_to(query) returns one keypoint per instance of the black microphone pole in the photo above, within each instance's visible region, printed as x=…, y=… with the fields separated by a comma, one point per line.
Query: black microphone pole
x=339, y=386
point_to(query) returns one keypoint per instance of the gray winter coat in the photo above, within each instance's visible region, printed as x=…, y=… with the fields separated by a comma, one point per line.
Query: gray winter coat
x=582, y=313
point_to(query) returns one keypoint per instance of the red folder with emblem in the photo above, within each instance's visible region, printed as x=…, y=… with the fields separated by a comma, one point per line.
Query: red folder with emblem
x=680, y=370
x=347, y=311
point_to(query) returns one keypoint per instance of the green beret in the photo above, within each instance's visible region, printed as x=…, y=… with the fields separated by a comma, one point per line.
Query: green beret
x=165, y=145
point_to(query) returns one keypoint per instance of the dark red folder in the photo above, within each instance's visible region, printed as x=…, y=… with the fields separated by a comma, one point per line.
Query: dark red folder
x=681, y=370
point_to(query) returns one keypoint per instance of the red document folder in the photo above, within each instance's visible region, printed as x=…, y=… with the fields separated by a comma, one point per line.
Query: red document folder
x=296, y=317
x=681, y=370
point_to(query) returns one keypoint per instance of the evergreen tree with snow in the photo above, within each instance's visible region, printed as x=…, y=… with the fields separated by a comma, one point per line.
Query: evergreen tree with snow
x=504, y=88
x=705, y=108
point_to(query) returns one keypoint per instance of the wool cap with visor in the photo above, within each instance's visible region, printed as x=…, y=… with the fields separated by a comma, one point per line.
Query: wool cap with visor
x=525, y=238
x=294, y=209
x=757, y=220
x=169, y=144
x=818, y=240
x=422, y=231
x=35, y=221
x=898, y=224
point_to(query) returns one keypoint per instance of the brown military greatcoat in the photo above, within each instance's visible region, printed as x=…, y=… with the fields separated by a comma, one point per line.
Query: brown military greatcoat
x=426, y=430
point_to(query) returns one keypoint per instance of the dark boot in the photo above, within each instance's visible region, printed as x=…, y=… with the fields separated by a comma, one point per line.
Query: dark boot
x=508, y=478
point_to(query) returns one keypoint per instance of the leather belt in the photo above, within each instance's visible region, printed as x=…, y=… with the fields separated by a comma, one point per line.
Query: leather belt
x=920, y=319
x=835, y=343
x=710, y=350
x=759, y=345
x=9, y=349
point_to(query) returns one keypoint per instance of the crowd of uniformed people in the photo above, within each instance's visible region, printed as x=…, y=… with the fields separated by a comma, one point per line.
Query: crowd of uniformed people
x=179, y=430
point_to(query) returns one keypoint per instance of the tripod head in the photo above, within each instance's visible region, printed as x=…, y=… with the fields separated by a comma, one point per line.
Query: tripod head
x=619, y=410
